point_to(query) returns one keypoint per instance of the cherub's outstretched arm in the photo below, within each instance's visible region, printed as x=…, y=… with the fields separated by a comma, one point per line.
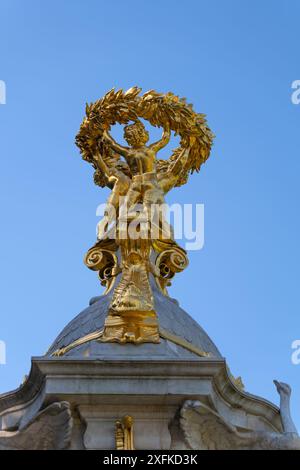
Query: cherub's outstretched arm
x=101, y=165
x=169, y=179
x=156, y=146
x=180, y=163
x=115, y=146
x=103, y=171
x=111, y=173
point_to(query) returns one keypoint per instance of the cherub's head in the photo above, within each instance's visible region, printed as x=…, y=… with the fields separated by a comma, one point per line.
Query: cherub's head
x=135, y=134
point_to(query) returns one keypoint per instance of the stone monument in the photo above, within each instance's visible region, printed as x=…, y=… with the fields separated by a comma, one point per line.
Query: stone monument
x=134, y=370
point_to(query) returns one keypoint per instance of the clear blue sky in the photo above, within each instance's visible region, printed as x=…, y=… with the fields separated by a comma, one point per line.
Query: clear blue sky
x=235, y=60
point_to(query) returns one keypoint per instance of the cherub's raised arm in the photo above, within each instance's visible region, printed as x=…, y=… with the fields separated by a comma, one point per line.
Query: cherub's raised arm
x=180, y=163
x=156, y=146
x=101, y=165
x=115, y=146
x=167, y=180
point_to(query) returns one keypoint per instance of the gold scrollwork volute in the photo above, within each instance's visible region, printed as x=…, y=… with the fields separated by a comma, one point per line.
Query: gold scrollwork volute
x=168, y=263
x=104, y=260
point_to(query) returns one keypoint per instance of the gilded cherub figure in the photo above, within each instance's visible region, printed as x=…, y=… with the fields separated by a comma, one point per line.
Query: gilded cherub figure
x=146, y=185
x=120, y=183
x=141, y=160
x=139, y=181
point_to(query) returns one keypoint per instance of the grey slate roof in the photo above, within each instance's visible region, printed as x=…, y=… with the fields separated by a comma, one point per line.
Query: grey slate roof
x=171, y=318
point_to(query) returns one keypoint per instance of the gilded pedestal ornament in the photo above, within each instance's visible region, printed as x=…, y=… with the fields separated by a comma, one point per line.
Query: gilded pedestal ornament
x=124, y=433
x=134, y=241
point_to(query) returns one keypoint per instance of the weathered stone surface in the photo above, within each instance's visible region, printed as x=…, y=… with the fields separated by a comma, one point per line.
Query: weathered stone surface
x=49, y=429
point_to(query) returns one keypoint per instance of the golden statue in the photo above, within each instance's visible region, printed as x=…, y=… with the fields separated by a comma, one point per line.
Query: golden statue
x=134, y=240
x=124, y=434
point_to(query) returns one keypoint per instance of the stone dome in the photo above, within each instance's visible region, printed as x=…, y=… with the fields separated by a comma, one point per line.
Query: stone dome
x=185, y=335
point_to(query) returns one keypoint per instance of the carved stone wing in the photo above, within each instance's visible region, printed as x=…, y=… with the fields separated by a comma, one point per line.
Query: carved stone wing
x=204, y=429
x=50, y=429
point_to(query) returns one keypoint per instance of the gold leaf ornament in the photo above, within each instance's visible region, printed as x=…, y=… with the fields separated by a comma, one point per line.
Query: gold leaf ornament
x=160, y=110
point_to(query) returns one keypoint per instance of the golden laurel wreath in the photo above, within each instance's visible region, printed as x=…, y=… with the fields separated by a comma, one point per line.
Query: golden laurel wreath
x=160, y=110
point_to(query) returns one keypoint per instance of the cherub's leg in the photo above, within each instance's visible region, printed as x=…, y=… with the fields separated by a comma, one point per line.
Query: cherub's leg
x=153, y=201
x=133, y=195
x=110, y=213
